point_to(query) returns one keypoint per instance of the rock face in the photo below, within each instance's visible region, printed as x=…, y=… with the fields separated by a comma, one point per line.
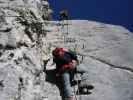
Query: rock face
x=22, y=24
x=26, y=42
x=105, y=50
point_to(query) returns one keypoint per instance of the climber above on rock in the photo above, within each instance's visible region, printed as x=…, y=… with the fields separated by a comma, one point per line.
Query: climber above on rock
x=63, y=14
x=66, y=65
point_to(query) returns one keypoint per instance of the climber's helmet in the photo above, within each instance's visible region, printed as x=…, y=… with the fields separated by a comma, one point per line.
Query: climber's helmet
x=58, y=52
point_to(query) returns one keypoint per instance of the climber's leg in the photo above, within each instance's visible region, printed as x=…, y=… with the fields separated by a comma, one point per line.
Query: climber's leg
x=85, y=84
x=67, y=89
x=82, y=70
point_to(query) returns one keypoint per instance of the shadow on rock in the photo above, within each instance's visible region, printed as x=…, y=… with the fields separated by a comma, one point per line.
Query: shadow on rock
x=51, y=78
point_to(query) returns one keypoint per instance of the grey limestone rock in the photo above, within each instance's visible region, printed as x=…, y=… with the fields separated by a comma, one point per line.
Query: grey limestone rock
x=105, y=50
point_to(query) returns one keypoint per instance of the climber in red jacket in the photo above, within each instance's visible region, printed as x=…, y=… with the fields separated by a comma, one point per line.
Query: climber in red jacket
x=66, y=66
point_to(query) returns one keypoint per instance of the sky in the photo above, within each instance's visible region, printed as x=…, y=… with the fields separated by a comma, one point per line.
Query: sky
x=117, y=12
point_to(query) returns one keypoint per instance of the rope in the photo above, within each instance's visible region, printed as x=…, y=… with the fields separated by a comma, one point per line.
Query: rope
x=78, y=92
x=75, y=93
x=77, y=85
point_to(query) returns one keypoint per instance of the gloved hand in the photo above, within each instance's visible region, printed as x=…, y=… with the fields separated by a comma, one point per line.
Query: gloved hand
x=74, y=63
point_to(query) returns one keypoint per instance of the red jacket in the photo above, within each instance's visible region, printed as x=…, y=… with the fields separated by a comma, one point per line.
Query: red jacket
x=63, y=60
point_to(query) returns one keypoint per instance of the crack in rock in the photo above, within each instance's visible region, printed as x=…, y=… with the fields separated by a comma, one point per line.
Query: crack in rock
x=1, y=85
x=112, y=65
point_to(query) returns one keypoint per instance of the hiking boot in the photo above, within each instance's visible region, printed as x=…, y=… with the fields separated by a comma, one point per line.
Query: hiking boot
x=83, y=91
x=85, y=84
